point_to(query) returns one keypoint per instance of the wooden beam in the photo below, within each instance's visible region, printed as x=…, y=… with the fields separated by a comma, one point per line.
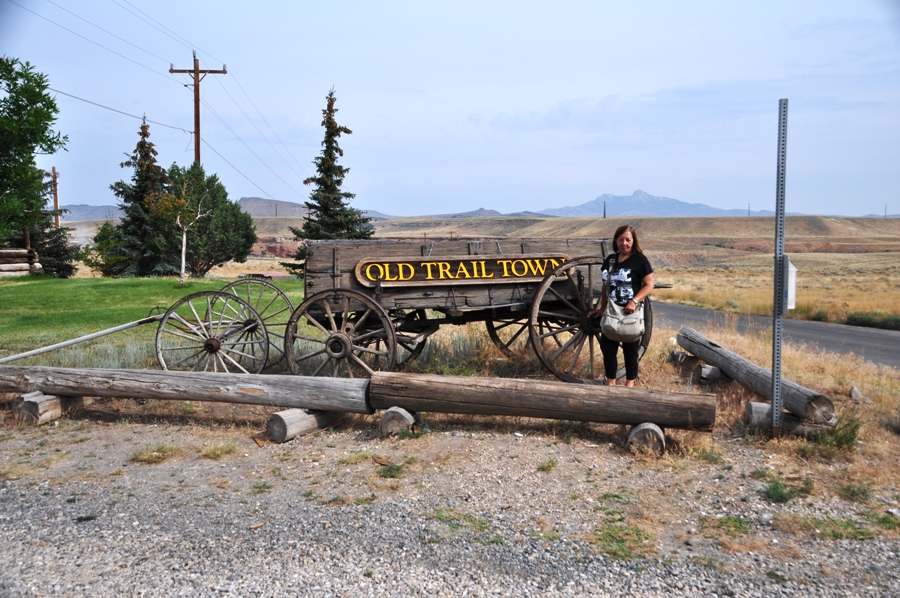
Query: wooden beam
x=325, y=394
x=802, y=402
x=539, y=398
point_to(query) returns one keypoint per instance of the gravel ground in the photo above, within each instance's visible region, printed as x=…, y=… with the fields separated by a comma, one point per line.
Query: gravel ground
x=510, y=509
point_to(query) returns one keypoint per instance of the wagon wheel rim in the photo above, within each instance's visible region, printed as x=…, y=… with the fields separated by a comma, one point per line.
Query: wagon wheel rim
x=212, y=331
x=510, y=335
x=272, y=305
x=340, y=333
x=565, y=340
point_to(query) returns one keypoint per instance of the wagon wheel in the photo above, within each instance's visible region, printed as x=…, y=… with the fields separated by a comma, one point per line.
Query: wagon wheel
x=272, y=305
x=510, y=335
x=565, y=340
x=212, y=331
x=340, y=333
x=411, y=340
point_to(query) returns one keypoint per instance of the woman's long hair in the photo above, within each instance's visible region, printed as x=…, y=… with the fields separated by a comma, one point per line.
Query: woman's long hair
x=636, y=247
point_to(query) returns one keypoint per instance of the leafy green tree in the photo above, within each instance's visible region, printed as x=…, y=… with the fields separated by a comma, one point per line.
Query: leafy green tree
x=27, y=115
x=102, y=255
x=330, y=215
x=215, y=229
x=56, y=255
x=146, y=244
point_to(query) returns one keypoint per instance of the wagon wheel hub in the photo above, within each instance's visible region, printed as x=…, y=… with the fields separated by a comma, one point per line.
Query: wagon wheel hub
x=212, y=345
x=250, y=326
x=591, y=325
x=338, y=346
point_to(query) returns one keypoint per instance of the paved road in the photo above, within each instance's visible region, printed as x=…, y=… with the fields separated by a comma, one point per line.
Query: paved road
x=878, y=346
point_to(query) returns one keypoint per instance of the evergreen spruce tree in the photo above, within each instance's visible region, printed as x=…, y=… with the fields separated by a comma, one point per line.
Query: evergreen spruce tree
x=146, y=245
x=330, y=216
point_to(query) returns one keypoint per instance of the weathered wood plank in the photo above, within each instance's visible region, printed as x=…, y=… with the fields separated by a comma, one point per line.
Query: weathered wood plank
x=802, y=402
x=325, y=394
x=16, y=267
x=16, y=253
x=546, y=399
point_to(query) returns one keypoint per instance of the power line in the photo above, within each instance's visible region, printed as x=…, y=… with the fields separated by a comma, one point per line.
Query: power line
x=107, y=32
x=235, y=167
x=180, y=41
x=268, y=125
x=257, y=128
x=93, y=42
x=120, y=112
x=244, y=143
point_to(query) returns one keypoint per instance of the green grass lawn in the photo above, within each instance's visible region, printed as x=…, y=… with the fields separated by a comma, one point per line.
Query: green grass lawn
x=37, y=311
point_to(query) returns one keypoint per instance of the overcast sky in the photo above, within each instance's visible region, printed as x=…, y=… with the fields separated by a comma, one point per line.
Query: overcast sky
x=503, y=105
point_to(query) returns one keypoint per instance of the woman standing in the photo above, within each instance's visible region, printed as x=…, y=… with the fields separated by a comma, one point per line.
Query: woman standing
x=627, y=280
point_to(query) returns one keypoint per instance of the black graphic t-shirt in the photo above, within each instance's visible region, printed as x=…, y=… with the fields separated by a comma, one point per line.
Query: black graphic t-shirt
x=624, y=279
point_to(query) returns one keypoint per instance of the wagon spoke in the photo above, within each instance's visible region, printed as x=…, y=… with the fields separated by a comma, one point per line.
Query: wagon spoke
x=575, y=288
x=328, y=311
x=225, y=355
x=577, y=352
x=560, y=316
x=362, y=363
x=564, y=346
x=556, y=331
x=566, y=301
x=309, y=356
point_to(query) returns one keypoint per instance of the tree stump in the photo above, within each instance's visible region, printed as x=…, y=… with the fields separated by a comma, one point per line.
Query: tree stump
x=394, y=420
x=646, y=438
x=38, y=408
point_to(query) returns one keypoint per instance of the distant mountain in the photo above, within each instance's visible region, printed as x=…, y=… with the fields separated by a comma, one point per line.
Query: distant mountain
x=79, y=212
x=271, y=208
x=259, y=207
x=640, y=203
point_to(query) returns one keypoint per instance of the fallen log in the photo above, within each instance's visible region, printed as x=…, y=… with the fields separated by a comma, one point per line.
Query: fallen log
x=758, y=417
x=802, y=402
x=413, y=392
x=324, y=394
x=539, y=398
x=287, y=425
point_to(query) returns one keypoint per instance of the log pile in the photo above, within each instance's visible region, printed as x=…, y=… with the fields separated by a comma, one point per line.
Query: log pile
x=410, y=393
x=806, y=407
x=16, y=262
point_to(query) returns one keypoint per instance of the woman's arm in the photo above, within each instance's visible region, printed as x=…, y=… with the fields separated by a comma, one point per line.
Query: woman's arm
x=645, y=291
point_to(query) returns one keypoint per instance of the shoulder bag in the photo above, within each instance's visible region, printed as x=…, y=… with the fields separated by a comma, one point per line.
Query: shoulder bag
x=618, y=326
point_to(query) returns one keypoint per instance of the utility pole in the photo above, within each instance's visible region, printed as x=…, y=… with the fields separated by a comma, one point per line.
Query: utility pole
x=55, y=196
x=196, y=71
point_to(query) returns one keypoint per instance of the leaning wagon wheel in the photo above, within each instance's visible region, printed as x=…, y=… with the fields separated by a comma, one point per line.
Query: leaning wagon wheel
x=340, y=333
x=212, y=331
x=272, y=305
x=410, y=344
x=564, y=338
x=510, y=335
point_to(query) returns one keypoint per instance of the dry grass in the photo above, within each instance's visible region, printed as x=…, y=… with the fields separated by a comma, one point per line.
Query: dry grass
x=159, y=453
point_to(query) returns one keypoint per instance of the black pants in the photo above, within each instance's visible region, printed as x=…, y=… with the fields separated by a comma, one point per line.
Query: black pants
x=610, y=350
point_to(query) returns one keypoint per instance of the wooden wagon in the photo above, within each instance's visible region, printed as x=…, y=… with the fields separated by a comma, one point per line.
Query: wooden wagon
x=372, y=305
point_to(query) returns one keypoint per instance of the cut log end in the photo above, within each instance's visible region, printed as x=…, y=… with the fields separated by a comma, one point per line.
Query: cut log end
x=646, y=438
x=395, y=420
x=291, y=423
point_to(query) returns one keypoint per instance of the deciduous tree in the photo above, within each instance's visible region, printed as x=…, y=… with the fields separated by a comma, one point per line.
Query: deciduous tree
x=216, y=230
x=27, y=115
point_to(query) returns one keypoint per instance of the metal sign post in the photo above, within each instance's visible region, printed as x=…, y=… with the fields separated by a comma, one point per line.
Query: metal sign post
x=781, y=269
